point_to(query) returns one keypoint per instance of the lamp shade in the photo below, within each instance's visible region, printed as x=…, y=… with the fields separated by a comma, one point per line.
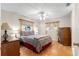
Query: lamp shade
x=5, y=26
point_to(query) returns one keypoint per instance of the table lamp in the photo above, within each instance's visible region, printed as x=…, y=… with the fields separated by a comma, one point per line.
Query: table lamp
x=5, y=27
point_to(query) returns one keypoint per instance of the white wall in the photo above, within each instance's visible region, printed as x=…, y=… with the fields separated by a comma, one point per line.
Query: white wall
x=75, y=24
x=11, y=18
x=65, y=21
x=75, y=28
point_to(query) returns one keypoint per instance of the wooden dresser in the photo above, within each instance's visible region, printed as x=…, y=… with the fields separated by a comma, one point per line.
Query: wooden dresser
x=65, y=36
x=10, y=48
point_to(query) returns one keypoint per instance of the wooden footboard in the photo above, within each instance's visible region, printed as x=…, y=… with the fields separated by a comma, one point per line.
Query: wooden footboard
x=29, y=46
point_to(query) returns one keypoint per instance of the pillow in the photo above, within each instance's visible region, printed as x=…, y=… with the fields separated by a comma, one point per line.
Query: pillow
x=24, y=33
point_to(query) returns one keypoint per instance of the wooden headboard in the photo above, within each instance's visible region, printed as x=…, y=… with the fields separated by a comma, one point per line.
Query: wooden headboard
x=24, y=23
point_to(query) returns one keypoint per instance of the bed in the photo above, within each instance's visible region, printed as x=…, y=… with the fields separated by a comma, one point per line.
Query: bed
x=36, y=43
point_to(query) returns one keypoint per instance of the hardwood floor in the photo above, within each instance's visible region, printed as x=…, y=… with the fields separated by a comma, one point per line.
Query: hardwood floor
x=55, y=49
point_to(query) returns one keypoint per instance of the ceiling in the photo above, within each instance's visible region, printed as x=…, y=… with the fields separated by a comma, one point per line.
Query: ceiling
x=32, y=10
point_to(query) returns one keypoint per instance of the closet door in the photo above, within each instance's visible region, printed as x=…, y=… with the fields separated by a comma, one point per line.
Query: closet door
x=65, y=36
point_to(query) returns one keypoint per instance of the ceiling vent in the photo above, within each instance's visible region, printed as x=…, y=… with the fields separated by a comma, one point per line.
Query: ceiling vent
x=67, y=4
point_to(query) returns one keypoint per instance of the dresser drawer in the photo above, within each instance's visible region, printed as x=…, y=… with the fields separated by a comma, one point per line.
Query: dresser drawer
x=10, y=48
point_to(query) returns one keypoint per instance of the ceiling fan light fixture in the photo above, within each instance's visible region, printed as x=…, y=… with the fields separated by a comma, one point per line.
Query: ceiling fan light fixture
x=42, y=15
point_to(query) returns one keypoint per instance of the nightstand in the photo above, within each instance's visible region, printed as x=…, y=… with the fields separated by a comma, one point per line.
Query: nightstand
x=10, y=48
